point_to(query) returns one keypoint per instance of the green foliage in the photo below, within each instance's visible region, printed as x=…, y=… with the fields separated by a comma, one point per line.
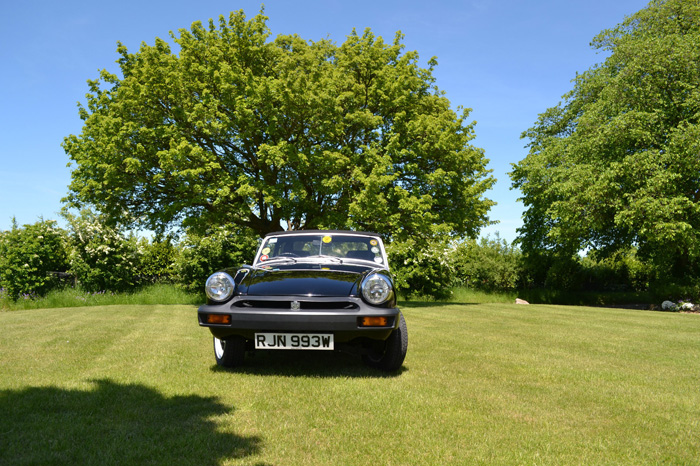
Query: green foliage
x=622, y=271
x=101, y=258
x=616, y=165
x=237, y=129
x=565, y=274
x=600, y=279
x=157, y=259
x=594, y=272
x=28, y=256
x=488, y=264
x=200, y=256
x=421, y=269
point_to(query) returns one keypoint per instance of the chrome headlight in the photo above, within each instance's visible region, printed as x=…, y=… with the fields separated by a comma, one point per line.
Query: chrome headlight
x=376, y=289
x=219, y=287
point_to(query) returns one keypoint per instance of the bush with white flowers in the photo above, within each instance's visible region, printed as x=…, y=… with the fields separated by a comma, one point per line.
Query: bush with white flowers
x=202, y=255
x=422, y=269
x=101, y=257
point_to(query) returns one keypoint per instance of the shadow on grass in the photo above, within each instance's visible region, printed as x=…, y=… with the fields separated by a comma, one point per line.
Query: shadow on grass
x=324, y=364
x=114, y=424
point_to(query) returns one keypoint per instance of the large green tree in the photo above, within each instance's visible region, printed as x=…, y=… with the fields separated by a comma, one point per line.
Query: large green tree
x=232, y=127
x=617, y=164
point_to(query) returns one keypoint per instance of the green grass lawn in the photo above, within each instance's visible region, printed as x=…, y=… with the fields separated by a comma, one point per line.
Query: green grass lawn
x=482, y=384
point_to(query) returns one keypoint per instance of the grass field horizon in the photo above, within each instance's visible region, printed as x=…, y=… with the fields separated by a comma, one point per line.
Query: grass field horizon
x=482, y=384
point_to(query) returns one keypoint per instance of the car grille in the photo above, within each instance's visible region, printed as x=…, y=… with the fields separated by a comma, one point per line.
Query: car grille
x=303, y=305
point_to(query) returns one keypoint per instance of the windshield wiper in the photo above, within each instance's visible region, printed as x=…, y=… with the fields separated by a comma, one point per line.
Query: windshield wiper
x=326, y=257
x=280, y=258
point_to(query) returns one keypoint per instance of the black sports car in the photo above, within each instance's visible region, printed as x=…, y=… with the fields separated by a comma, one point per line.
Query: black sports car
x=308, y=290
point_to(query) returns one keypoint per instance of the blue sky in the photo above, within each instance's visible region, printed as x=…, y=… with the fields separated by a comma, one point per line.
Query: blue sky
x=507, y=60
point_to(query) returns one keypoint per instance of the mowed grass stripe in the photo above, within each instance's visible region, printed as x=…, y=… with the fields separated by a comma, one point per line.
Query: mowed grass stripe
x=482, y=384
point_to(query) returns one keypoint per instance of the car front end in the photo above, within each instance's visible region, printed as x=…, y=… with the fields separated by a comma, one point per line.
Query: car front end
x=318, y=290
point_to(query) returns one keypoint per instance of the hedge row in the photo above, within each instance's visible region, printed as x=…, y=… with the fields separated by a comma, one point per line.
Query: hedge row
x=35, y=259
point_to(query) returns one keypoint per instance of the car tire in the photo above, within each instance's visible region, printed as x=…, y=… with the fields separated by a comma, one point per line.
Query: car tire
x=229, y=352
x=393, y=354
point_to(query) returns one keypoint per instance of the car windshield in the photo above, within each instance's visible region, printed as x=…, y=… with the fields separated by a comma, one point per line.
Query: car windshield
x=333, y=247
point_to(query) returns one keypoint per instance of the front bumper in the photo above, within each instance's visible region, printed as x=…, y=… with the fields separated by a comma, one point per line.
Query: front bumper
x=341, y=316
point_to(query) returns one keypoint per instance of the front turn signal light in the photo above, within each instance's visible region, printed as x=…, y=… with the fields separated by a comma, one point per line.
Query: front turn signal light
x=218, y=319
x=374, y=322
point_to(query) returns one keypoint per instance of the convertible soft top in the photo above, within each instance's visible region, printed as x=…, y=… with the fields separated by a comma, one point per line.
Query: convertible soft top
x=318, y=232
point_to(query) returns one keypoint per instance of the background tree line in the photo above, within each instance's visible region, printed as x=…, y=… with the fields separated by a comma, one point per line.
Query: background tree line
x=38, y=258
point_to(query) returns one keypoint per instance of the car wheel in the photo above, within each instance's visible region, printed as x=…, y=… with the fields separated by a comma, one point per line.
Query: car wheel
x=391, y=357
x=229, y=352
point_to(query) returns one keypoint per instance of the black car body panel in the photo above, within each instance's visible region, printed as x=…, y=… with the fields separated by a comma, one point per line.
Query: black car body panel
x=299, y=280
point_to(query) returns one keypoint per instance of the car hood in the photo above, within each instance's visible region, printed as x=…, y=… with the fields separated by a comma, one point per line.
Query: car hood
x=304, y=280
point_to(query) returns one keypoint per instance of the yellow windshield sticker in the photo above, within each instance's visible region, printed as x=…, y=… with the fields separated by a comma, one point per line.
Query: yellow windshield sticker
x=327, y=239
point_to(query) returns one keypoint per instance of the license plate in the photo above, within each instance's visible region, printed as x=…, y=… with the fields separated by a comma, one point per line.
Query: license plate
x=307, y=341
